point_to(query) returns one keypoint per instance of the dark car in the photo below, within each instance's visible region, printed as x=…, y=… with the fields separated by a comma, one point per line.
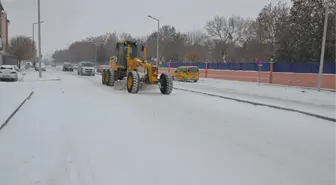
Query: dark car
x=67, y=67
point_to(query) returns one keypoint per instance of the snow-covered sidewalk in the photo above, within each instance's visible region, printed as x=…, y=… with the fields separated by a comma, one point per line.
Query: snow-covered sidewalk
x=12, y=94
x=301, y=99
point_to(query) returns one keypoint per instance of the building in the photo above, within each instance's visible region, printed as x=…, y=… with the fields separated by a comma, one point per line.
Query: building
x=3, y=34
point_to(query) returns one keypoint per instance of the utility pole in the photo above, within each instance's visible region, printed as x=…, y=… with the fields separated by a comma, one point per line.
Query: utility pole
x=39, y=36
x=319, y=80
x=33, y=36
x=158, y=39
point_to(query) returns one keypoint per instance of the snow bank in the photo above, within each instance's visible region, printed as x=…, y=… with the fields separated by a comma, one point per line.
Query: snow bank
x=302, y=99
x=32, y=75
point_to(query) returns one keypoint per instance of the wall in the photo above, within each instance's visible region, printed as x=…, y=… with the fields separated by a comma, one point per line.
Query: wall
x=282, y=78
x=4, y=31
x=298, y=67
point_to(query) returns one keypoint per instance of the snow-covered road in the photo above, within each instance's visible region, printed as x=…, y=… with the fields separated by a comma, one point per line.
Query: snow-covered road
x=78, y=132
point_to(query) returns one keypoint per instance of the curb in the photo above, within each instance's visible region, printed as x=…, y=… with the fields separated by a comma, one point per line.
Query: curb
x=261, y=104
x=15, y=111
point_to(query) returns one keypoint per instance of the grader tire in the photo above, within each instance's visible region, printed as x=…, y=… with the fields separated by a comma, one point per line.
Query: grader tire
x=110, y=78
x=166, y=81
x=103, y=77
x=133, y=82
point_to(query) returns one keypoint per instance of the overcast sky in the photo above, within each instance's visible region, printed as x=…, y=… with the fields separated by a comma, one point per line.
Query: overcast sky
x=70, y=20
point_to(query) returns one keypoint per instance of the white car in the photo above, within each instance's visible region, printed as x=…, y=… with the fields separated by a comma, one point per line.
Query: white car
x=86, y=68
x=43, y=67
x=9, y=72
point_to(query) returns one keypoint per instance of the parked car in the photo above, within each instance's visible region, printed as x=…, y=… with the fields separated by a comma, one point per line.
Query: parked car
x=43, y=67
x=9, y=72
x=86, y=68
x=67, y=66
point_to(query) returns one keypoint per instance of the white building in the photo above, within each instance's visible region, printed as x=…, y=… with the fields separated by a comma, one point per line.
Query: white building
x=3, y=33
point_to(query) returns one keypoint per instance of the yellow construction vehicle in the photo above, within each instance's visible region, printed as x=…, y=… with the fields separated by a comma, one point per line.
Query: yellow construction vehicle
x=137, y=71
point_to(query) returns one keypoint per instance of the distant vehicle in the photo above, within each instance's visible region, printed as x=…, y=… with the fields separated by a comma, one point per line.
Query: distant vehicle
x=186, y=73
x=86, y=68
x=67, y=66
x=101, y=67
x=75, y=66
x=9, y=72
x=43, y=67
x=29, y=64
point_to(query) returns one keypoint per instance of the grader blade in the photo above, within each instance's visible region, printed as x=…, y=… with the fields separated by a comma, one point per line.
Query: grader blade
x=120, y=84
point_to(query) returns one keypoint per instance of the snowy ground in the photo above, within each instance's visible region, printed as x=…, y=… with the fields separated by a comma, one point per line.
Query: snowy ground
x=75, y=131
x=307, y=100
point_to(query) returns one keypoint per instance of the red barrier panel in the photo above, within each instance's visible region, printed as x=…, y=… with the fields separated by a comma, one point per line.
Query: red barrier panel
x=292, y=79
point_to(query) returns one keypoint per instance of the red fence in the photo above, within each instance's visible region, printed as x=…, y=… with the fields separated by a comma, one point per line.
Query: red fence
x=292, y=79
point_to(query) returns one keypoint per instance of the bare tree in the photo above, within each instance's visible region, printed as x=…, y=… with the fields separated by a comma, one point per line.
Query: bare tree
x=82, y=50
x=62, y=55
x=239, y=29
x=271, y=22
x=111, y=41
x=217, y=28
x=22, y=47
x=196, y=37
x=235, y=29
x=125, y=36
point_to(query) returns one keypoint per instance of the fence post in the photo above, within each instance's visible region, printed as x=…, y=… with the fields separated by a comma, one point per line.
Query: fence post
x=206, y=69
x=270, y=78
x=168, y=67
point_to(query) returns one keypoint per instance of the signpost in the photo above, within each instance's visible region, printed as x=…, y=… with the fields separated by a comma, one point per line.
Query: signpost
x=260, y=65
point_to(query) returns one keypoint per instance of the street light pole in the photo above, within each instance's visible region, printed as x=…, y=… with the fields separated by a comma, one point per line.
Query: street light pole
x=39, y=36
x=33, y=36
x=158, y=39
x=319, y=80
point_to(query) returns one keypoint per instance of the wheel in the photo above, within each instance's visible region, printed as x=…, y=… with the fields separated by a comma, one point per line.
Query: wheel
x=110, y=78
x=195, y=80
x=133, y=82
x=103, y=77
x=166, y=82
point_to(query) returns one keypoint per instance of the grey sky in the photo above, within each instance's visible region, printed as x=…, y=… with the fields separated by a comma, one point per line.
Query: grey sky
x=70, y=20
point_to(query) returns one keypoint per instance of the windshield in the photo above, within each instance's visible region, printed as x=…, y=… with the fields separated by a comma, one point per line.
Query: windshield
x=88, y=64
x=193, y=69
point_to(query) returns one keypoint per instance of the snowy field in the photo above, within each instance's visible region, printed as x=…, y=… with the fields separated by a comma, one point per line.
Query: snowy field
x=75, y=131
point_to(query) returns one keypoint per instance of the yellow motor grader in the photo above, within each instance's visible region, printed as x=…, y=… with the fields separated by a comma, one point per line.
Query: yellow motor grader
x=137, y=71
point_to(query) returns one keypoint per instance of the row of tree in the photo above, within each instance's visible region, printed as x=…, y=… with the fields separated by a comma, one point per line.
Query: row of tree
x=283, y=32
